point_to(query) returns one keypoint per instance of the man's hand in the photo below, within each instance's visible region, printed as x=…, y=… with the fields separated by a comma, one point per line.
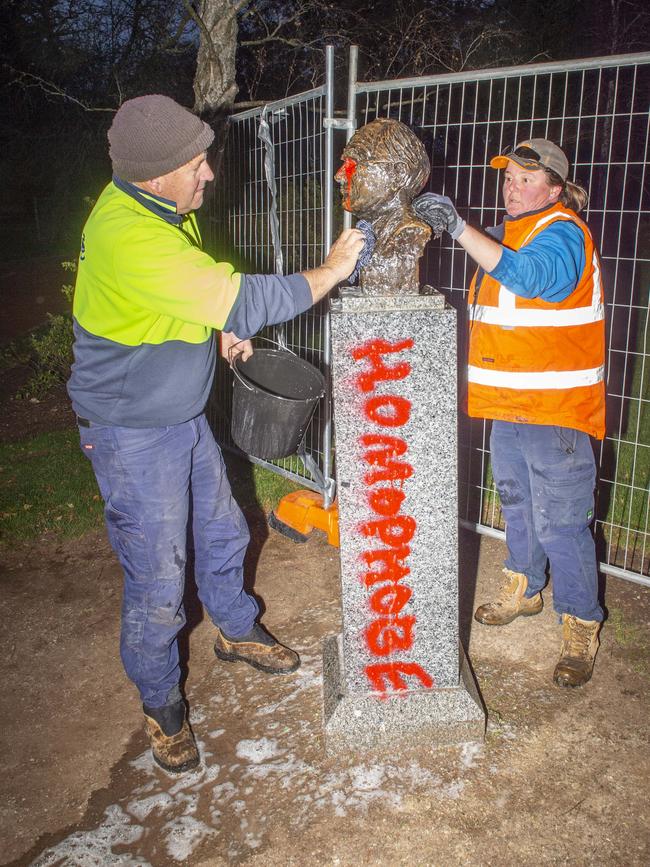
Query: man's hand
x=338, y=265
x=440, y=213
x=232, y=347
x=344, y=253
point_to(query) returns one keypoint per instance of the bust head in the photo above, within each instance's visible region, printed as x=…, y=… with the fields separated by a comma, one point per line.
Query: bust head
x=384, y=166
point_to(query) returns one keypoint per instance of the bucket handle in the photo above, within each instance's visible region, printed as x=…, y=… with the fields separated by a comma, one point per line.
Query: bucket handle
x=233, y=365
x=281, y=344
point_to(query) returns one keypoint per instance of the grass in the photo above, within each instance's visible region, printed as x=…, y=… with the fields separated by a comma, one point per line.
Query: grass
x=629, y=500
x=47, y=486
x=627, y=635
x=254, y=485
x=631, y=638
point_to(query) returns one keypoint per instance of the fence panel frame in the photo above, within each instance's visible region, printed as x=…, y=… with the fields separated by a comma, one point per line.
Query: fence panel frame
x=393, y=92
x=319, y=101
x=468, y=110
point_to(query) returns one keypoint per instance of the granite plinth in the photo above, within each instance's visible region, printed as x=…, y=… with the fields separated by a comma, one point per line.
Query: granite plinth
x=353, y=301
x=421, y=718
x=397, y=665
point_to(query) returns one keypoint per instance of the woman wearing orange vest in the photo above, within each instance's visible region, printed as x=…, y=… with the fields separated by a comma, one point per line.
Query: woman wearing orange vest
x=536, y=368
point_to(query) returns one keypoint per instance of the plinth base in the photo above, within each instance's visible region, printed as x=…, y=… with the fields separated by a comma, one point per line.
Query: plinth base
x=432, y=717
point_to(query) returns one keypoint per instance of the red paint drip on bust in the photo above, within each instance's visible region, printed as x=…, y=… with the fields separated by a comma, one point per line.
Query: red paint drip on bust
x=349, y=168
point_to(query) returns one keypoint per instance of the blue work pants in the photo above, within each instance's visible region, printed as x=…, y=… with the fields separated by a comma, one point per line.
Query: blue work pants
x=151, y=480
x=545, y=476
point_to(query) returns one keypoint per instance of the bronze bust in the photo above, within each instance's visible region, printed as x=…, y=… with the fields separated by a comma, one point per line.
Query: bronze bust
x=384, y=167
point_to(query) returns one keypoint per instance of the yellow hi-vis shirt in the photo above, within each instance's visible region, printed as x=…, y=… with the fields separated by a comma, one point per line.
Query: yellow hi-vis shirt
x=142, y=279
x=147, y=299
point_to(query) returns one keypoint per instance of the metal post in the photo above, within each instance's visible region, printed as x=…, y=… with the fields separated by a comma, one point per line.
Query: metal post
x=328, y=487
x=353, y=65
x=329, y=148
x=329, y=491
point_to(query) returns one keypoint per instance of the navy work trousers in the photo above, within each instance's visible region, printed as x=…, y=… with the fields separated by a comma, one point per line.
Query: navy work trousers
x=151, y=480
x=545, y=476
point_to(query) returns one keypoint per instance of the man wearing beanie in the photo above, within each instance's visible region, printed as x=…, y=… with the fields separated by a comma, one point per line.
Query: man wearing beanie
x=147, y=302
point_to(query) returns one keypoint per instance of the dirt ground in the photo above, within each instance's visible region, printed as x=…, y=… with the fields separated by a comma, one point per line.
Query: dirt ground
x=561, y=778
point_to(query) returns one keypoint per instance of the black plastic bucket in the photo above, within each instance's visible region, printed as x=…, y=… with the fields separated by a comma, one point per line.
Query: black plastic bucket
x=274, y=398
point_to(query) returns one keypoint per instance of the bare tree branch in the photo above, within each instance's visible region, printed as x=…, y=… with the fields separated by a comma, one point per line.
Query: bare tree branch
x=205, y=33
x=29, y=79
x=282, y=40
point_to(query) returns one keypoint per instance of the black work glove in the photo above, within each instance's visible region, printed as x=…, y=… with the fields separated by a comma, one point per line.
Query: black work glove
x=440, y=213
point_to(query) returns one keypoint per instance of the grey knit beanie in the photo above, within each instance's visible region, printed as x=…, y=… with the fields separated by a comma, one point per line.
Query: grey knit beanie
x=153, y=135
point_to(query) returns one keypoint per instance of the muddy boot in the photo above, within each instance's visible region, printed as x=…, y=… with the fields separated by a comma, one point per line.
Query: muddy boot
x=578, y=651
x=510, y=602
x=258, y=649
x=172, y=742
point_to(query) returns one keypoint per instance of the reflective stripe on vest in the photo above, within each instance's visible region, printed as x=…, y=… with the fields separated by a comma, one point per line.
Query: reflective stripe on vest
x=535, y=380
x=507, y=314
x=533, y=361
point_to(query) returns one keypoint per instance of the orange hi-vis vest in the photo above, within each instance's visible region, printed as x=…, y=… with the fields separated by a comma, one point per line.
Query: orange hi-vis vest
x=534, y=361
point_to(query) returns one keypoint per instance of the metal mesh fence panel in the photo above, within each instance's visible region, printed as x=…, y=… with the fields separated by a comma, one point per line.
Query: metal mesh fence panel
x=239, y=231
x=597, y=111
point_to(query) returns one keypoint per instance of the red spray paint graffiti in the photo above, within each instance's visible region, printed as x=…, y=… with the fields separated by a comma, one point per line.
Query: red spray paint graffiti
x=390, y=630
x=346, y=173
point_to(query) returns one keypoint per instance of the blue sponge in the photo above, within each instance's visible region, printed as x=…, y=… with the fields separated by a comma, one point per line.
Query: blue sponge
x=369, y=245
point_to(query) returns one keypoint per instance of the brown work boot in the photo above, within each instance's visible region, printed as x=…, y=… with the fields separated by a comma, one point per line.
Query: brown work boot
x=258, y=649
x=510, y=602
x=578, y=651
x=172, y=742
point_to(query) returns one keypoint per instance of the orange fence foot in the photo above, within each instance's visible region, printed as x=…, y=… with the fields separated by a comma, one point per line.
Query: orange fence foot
x=297, y=514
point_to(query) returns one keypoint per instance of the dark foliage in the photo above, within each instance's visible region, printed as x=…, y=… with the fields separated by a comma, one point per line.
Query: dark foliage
x=68, y=65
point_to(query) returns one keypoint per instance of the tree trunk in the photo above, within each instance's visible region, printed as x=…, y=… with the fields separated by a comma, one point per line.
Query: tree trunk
x=215, y=87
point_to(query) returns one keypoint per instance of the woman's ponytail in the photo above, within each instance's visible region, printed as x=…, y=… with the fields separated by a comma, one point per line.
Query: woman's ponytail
x=574, y=196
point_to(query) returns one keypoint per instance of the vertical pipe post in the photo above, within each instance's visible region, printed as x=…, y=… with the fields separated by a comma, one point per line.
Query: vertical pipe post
x=328, y=190
x=328, y=494
x=353, y=65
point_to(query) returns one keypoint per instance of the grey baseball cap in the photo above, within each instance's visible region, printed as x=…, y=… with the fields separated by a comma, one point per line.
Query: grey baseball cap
x=535, y=154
